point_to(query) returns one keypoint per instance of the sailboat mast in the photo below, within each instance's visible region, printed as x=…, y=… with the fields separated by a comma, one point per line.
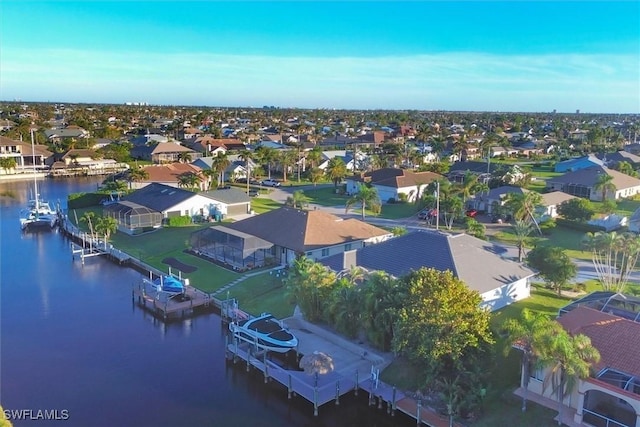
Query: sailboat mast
x=35, y=175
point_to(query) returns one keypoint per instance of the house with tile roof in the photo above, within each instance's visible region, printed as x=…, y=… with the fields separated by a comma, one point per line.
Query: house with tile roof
x=281, y=235
x=391, y=182
x=611, y=395
x=476, y=262
x=169, y=175
x=582, y=183
x=23, y=154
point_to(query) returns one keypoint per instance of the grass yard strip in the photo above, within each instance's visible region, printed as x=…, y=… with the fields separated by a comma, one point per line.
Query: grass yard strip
x=263, y=204
x=262, y=293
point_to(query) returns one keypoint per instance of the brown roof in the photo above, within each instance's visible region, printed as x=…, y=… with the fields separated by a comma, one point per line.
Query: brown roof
x=79, y=152
x=39, y=150
x=302, y=231
x=169, y=173
x=589, y=177
x=554, y=198
x=398, y=178
x=616, y=338
x=170, y=147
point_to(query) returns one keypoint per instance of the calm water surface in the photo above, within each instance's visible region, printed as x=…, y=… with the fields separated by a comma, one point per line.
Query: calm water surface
x=71, y=338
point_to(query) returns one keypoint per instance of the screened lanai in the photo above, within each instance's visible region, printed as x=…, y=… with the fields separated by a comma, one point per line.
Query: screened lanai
x=232, y=247
x=133, y=218
x=620, y=305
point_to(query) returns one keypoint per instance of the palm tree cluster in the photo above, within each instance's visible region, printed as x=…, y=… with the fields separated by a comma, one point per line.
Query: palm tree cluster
x=427, y=316
x=546, y=345
x=614, y=257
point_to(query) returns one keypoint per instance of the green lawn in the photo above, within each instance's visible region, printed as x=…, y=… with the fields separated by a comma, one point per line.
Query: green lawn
x=169, y=242
x=262, y=293
x=326, y=197
x=264, y=204
x=566, y=238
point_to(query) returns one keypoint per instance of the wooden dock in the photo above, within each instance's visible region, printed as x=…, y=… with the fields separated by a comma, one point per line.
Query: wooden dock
x=317, y=390
x=165, y=305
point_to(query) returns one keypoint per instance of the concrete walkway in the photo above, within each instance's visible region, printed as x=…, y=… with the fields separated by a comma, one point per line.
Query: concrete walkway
x=243, y=278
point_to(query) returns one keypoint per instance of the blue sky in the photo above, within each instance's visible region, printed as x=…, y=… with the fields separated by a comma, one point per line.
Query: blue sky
x=427, y=55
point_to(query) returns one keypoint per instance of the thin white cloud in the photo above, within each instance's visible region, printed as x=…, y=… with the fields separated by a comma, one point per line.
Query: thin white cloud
x=457, y=81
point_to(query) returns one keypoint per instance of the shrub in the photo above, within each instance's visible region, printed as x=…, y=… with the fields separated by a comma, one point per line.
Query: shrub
x=402, y=198
x=179, y=221
x=391, y=200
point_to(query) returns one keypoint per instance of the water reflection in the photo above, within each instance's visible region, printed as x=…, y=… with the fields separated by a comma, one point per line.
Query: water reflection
x=70, y=339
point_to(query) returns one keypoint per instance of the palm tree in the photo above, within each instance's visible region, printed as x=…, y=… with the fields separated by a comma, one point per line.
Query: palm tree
x=220, y=163
x=88, y=217
x=470, y=186
x=184, y=157
x=336, y=170
x=314, y=156
x=523, y=205
x=286, y=159
x=568, y=359
x=188, y=180
x=379, y=308
x=605, y=184
x=106, y=225
x=247, y=156
x=7, y=163
x=267, y=156
x=315, y=175
x=527, y=335
x=614, y=256
x=521, y=229
x=344, y=310
x=365, y=196
x=208, y=173
x=136, y=175
x=297, y=200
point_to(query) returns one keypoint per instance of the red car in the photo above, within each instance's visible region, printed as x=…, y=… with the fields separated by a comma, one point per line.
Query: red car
x=471, y=213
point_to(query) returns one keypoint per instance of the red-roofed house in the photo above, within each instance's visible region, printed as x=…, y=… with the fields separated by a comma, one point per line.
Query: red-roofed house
x=611, y=396
x=169, y=175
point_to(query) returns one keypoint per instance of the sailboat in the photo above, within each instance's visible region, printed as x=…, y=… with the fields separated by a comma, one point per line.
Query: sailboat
x=38, y=212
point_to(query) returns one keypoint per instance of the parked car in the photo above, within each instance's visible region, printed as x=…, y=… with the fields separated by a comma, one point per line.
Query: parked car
x=253, y=193
x=471, y=213
x=271, y=183
x=426, y=214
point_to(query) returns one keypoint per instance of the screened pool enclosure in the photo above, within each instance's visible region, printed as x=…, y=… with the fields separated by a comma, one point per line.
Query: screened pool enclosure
x=232, y=247
x=133, y=218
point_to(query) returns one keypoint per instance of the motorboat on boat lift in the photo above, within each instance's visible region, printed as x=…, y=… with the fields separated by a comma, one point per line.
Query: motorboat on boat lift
x=265, y=332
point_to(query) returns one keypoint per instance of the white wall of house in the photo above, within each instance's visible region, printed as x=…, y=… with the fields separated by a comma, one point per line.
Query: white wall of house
x=506, y=294
x=196, y=205
x=627, y=192
x=332, y=250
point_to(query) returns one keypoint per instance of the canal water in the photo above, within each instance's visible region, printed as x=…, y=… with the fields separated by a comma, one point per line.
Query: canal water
x=72, y=340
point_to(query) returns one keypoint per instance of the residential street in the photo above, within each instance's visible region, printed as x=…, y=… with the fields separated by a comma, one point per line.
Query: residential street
x=586, y=271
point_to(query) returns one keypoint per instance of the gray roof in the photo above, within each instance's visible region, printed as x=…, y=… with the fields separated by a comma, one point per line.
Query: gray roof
x=503, y=191
x=159, y=197
x=474, y=261
x=228, y=196
x=589, y=177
